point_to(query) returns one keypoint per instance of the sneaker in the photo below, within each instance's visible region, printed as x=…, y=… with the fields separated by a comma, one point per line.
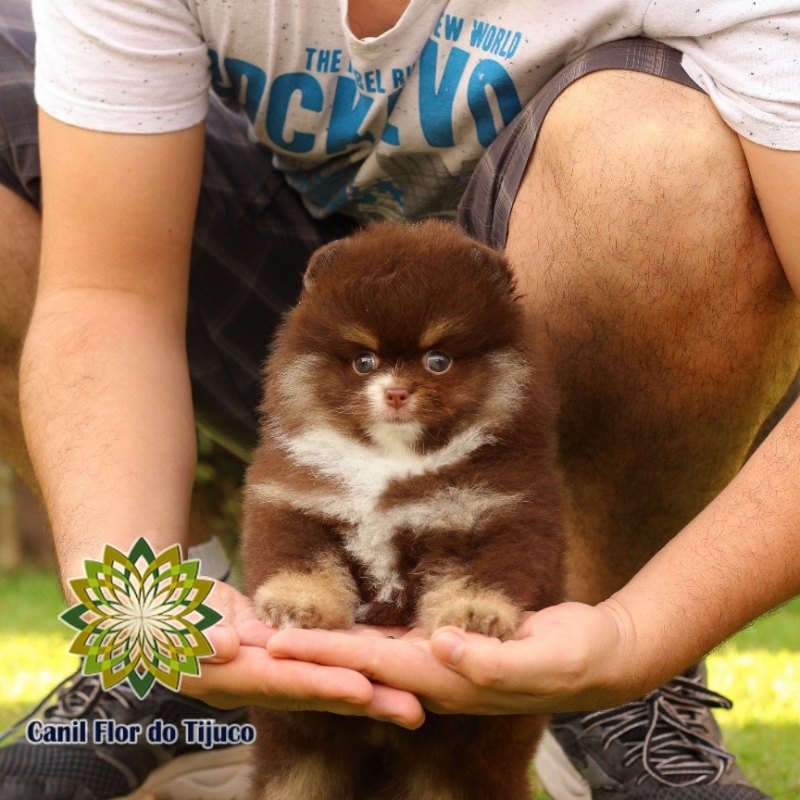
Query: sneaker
x=666, y=746
x=140, y=771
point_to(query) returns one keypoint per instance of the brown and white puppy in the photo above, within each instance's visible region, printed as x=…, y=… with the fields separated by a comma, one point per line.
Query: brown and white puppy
x=405, y=476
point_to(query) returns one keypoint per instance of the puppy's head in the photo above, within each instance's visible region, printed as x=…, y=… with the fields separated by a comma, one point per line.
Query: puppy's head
x=400, y=337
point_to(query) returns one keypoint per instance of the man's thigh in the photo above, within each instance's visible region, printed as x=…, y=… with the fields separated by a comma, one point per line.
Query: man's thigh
x=253, y=237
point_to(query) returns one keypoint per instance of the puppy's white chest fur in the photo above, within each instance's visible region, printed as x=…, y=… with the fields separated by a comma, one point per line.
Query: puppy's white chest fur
x=353, y=479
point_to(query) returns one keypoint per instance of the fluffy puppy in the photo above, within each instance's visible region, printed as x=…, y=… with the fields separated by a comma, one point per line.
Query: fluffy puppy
x=405, y=476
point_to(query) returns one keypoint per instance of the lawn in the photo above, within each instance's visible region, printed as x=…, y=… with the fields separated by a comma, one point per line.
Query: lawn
x=759, y=669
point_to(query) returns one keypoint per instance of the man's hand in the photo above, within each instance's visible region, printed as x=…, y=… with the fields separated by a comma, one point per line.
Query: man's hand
x=243, y=672
x=564, y=658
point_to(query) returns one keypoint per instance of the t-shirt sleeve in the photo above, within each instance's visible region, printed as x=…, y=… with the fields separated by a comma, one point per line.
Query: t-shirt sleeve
x=745, y=55
x=124, y=66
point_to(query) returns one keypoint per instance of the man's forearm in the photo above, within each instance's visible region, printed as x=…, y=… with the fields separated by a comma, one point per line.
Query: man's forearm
x=104, y=387
x=108, y=419
x=735, y=561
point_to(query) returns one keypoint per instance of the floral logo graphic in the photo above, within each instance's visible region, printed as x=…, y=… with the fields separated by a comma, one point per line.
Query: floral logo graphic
x=140, y=618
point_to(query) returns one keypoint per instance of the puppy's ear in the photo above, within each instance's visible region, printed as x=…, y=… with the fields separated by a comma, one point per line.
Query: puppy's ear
x=495, y=265
x=320, y=260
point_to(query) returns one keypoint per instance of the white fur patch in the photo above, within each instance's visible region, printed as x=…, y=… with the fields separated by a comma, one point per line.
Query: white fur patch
x=512, y=373
x=364, y=472
x=395, y=437
x=457, y=509
x=295, y=384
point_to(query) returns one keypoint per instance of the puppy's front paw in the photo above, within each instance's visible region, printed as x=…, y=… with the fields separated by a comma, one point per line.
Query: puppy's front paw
x=457, y=603
x=324, y=598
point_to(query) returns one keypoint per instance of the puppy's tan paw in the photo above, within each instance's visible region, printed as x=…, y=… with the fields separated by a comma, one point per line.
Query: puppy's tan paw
x=324, y=598
x=481, y=615
x=457, y=603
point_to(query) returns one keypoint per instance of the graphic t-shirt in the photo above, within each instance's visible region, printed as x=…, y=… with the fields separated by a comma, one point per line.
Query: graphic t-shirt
x=391, y=126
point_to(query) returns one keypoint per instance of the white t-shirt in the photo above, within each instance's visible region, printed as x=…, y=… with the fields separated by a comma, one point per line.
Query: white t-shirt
x=391, y=126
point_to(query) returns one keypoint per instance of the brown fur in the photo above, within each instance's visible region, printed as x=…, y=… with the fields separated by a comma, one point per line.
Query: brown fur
x=444, y=509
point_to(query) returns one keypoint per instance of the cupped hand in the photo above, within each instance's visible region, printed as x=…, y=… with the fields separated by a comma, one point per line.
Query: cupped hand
x=563, y=658
x=243, y=672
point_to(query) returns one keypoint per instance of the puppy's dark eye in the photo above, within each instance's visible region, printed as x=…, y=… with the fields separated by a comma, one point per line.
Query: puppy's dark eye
x=364, y=363
x=437, y=361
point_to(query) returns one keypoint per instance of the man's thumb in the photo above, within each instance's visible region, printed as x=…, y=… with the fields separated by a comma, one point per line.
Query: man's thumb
x=448, y=644
x=225, y=641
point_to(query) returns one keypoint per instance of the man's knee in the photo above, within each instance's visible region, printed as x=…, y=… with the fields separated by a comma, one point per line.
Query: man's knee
x=638, y=198
x=644, y=139
x=635, y=162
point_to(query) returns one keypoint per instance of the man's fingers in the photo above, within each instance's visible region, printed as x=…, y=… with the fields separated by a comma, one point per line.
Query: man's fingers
x=404, y=665
x=395, y=705
x=301, y=680
x=235, y=608
x=448, y=644
x=369, y=655
x=242, y=671
x=237, y=627
x=253, y=677
x=555, y=659
x=533, y=666
x=372, y=656
x=378, y=632
x=254, y=633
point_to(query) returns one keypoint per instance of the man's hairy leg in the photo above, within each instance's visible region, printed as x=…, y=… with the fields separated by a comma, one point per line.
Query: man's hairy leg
x=637, y=236
x=20, y=239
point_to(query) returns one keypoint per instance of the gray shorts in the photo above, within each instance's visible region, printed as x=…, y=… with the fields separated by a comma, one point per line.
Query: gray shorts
x=253, y=235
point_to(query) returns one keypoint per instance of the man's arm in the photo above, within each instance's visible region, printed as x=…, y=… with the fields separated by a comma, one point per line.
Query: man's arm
x=734, y=562
x=105, y=392
x=776, y=178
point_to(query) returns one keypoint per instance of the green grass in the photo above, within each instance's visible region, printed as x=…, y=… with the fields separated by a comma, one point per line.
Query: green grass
x=33, y=642
x=759, y=668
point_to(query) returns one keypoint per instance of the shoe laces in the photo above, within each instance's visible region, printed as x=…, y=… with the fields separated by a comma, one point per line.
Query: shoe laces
x=676, y=749
x=76, y=696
